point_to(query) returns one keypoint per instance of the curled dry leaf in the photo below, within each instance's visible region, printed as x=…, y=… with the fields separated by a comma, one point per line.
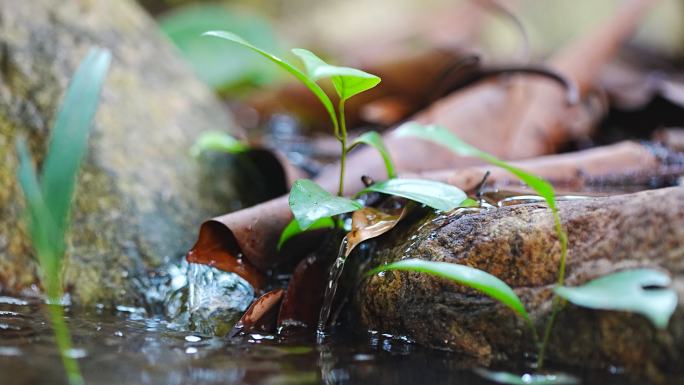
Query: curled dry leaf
x=215, y=248
x=369, y=223
x=261, y=315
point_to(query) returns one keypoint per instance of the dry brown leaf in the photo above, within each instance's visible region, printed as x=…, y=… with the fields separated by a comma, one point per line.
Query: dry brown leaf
x=261, y=315
x=369, y=223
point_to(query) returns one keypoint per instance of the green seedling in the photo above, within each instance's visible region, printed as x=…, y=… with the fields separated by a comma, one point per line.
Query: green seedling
x=310, y=202
x=48, y=198
x=442, y=136
x=346, y=81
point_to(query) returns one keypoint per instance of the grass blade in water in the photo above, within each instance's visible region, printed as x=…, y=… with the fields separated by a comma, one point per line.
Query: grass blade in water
x=49, y=199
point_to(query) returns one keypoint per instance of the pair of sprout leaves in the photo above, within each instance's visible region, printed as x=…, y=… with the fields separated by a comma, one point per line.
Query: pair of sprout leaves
x=313, y=207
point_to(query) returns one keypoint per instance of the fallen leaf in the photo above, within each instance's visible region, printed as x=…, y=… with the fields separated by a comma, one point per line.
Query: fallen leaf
x=261, y=315
x=369, y=223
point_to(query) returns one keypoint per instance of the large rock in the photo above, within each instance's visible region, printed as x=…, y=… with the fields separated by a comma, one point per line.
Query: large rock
x=140, y=196
x=518, y=245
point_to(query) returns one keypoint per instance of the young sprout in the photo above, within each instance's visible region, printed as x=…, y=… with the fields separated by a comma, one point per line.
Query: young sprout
x=309, y=202
x=346, y=81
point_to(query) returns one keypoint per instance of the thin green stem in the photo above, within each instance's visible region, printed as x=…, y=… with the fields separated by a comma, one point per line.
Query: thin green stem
x=62, y=337
x=557, y=303
x=343, y=142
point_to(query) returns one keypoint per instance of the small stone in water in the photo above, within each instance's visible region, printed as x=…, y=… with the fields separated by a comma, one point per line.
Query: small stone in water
x=193, y=338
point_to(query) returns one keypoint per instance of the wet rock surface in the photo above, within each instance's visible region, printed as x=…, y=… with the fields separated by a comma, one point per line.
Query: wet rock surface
x=140, y=195
x=518, y=245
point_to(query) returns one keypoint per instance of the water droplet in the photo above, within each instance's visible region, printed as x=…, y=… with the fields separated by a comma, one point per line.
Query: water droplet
x=76, y=353
x=191, y=350
x=118, y=333
x=363, y=357
x=193, y=338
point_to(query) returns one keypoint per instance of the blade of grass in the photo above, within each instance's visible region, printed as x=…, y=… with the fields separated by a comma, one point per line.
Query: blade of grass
x=49, y=199
x=69, y=136
x=49, y=245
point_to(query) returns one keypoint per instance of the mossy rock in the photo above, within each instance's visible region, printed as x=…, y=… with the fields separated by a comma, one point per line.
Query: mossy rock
x=140, y=195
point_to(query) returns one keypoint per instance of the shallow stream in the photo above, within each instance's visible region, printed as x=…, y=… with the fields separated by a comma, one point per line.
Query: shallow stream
x=127, y=347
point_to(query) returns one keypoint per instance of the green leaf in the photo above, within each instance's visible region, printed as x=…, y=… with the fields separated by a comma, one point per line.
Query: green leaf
x=373, y=139
x=224, y=68
x=347, y=81
x=442, y=136
x=218, y=141
x=627, y=291
x=47, y=240
x=69, y=136
x=527, y=379
x=293, y=229
x=304, y=79
x=309, y=202
x=469, y=202
x=464, y=275
x=437, y=195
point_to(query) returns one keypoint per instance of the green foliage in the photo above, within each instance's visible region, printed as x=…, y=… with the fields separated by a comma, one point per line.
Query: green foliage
x=528, y=379
x=293, y=229
x=464, y=275
x=48, y=200
x=642, y=291
x=218, y=141
x=347, y=81
x=303, y=78
x=310, y=202
x=47, y=239
x=469, y=202
x=373, y=139
x=444, y=137
x=437, y=195
x=69, y=136
x=223, y=68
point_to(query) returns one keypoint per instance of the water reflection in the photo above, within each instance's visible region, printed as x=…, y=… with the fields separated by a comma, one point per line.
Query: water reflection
x=121, y=347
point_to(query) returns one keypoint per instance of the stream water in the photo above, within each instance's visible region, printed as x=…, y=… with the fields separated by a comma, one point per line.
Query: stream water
x=128, y=347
